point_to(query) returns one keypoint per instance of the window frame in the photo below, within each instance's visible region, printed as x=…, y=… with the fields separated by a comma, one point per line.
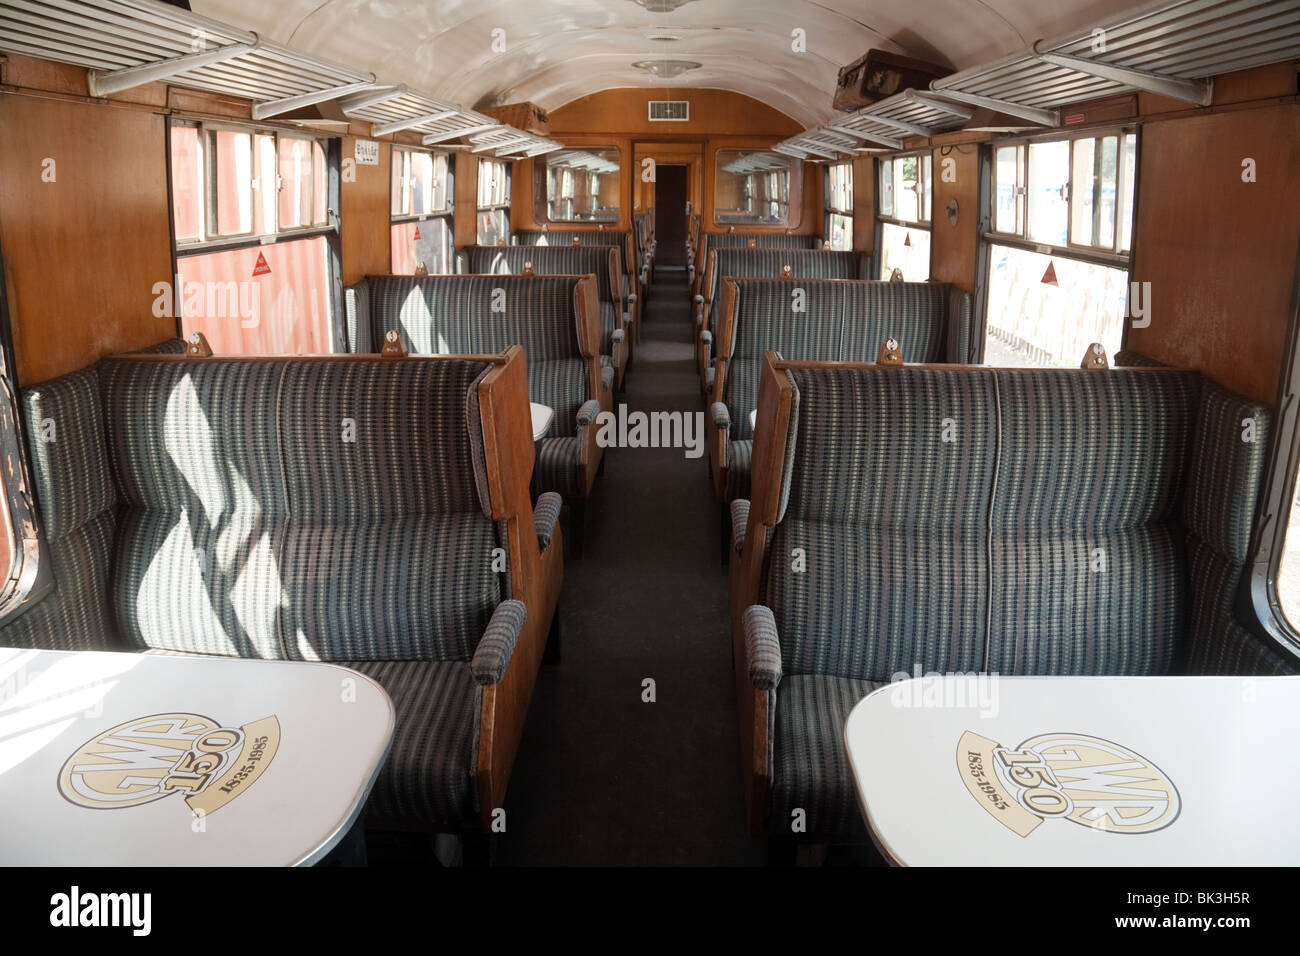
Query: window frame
x=444, y=217
x=924, y=225
x=542, y=188
x=504, y=205
x=330, y=230
x=1098, y=255
x=328, y=145
x=829, y=207
x=1276, y=499
x=792, y=201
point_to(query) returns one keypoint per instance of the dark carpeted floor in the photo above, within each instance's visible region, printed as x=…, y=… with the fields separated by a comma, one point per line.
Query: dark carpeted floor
x=603, y=778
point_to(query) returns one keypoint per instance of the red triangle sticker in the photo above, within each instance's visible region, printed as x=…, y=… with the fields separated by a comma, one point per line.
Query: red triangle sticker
x=417, y=233
x=907, y=239
x=1049, y=277
x=261, y=269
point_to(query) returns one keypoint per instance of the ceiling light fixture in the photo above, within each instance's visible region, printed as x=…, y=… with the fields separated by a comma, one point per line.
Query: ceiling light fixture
x=661, y=6
x=666, y=68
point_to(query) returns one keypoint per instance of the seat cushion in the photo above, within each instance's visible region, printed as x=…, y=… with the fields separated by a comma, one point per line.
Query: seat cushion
x=428, y=778
x=556, y=468
x=810, y=769
x=739, y=456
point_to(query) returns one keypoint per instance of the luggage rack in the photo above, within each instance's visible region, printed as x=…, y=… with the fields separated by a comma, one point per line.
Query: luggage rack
x=128, y=43
x=1171, y=49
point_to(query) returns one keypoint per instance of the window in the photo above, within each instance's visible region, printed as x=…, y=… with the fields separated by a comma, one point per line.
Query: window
x=254, y=259
x=1288, y=572
x=839, y=206
x=580, y=185
x=904, y=200
x=1275, y=576
x=752, y=187
x=493, y=202
x=1061, y=221
x=420, y=212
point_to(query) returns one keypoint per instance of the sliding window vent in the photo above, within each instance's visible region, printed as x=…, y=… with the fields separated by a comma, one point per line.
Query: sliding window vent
x=670, y=111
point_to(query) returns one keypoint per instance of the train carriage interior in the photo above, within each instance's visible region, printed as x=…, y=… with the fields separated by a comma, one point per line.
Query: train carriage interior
x=649, y=433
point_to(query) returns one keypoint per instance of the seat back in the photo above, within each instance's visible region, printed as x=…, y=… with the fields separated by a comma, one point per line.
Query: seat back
x=329, y=508
x=1016, y=521
x=1089, y=571
x=604, y=262
x=827, y=320
x=877, y=562
x=803, y=263
x=76, y=502
x=555, y=319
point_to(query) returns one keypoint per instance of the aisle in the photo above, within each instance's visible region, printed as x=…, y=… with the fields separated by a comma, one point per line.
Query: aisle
x=603, y=778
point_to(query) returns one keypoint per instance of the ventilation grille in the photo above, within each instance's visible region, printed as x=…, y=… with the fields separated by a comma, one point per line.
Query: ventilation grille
x=670, y=111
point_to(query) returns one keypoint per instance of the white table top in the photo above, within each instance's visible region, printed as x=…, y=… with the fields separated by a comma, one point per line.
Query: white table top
x=290, y=752
x=1211, y=772
x=542, y=417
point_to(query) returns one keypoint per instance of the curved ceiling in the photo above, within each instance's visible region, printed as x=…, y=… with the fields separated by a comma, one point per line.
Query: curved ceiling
x=556, y=51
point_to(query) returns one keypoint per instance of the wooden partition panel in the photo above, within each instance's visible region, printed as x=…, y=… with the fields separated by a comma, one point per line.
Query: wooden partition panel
x=1219, y=252
x=367, y=200
x=85, y=230
x=953, y=248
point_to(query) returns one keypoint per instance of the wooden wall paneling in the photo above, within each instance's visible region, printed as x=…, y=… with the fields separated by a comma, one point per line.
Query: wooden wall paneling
x=465, y=216
x=367, y=200
x=84, y=251
x=864, y=204
x=1219, y=253
x=713, y=113
x=953, y=249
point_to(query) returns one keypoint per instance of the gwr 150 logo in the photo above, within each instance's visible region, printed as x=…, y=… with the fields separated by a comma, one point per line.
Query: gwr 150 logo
x=1088, y=780
x=153, y=757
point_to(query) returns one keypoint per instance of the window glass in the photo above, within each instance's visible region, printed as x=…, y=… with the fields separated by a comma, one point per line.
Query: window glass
x=583, y=185
x=1092, y=206
x=1045, y=310
x=752, y=186
x=905, y=188
x=234, y=183
x=189, y=204
x=268, y=299
x=906, y=248
x=426, y=243
x=493, y=227
x=1010, y=194
x=1049, y=185
x=1128, y=164
x=839, y=232
x=263, y=295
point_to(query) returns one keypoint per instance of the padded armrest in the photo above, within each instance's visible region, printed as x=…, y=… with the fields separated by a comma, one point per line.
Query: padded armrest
x=699, y=299
x=545, y=515
x=706, y=337
x=631, y=298
x=710, y=374
x=618, y=335
x=762, y=647
x=607, y=376
x=721, y=417
x=739, y=522
x=588, y=411
x=492, y=656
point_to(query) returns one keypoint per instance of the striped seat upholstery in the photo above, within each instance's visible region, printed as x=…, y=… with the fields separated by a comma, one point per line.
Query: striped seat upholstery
x=478, y=315
x=77, y=502
x=553, y=260
x=1005, y=521
x=283, y=509
x=761, y=240
x=827, y=321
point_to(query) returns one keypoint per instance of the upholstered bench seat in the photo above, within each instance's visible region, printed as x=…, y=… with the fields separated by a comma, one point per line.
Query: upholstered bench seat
x=810, y=769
